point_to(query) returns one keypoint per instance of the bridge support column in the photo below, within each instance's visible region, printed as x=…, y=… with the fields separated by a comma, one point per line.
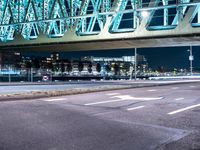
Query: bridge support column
x=198, y=19
x=136, y=19
x=180, y=11
x=135, y=64
x=166, y=19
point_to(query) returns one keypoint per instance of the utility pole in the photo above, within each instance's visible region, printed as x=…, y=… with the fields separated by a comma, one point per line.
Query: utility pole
x=191, y=58
x=31, y=73
x=135, y=64
x=9, y=76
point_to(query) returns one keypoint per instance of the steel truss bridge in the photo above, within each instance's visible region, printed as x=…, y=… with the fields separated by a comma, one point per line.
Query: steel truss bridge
x=98, y=24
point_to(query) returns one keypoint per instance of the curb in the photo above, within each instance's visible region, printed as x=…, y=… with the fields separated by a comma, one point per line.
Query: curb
x=46, y=94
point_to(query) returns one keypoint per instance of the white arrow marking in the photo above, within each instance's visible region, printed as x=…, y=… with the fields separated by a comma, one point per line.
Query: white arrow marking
x=125, y=98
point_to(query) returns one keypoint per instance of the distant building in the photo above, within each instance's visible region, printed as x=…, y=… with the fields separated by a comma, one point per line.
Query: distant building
x=9, y=59
x=117, y=65
x=55, y=56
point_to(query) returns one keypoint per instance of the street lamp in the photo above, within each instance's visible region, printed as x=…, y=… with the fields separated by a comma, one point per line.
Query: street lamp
x=191, y=58
x=145, y=14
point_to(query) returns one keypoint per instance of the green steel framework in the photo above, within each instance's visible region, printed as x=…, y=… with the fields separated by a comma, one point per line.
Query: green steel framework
x=30, y=18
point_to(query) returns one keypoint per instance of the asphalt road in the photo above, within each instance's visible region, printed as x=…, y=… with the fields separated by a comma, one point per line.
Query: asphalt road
x=150, y=118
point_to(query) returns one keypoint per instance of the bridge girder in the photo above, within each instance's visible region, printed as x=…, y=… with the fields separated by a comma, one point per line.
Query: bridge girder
x=35, y=22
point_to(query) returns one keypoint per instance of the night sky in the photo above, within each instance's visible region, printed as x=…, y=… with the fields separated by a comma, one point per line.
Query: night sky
x=169, y=58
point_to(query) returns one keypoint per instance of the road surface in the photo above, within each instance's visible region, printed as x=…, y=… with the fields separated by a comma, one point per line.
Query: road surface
x=148, y=118
x=16, y=88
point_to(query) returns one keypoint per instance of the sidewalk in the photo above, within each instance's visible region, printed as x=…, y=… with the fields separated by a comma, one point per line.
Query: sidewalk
x=99, y=86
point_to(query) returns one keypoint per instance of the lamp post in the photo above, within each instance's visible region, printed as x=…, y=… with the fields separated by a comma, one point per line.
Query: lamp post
x=191, y=58
x=135, y=66
x=135, y=63
x=9, y=76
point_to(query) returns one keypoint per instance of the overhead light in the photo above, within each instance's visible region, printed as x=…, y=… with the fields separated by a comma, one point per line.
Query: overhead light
x=145, y=14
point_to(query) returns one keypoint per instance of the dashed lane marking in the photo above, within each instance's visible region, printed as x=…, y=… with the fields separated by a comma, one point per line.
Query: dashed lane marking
x=183, y=109
x=55, y=99
x=192, y=86
x=111, y=94
x=178, y=99
x=134, y=108
x=128, y=97
x=174, y=88
x=153, y=90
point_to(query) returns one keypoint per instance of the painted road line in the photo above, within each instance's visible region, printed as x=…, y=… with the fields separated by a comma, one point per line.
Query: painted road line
x=175, y=88
x=128, y=97
x=151, y=90
x=104, y=102
x=192, y=86
x=55, y=99
x=134, y=108
x=183, y=109
x=125, y=99
x=178, y=99
x=112, y=94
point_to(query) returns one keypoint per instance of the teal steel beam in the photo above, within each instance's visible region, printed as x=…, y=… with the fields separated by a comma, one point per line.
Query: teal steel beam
x=166, y=15
x=55, y=17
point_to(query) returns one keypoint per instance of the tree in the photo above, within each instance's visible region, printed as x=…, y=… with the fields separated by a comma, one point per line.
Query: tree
x=62, y=66
x=80, y=66
x=107, y=68
x=98, y=67
x=17, y=65
x=56, y=66
x=50, y=66
x=127, y=68
x=90, y=67
x=36, y=63
x=116, y=69
x=161, y=69
x=28, y=64
x=69, y=67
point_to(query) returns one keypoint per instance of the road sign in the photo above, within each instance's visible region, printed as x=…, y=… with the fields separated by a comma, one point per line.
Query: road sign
x=45, y=78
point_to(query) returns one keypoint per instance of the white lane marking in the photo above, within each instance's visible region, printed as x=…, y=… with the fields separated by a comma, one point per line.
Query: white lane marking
x=178, y=99
x=125, y=98
x=153, y=90
x=103, y=102
x=128, y=97
x=55, y=99
x=111, y=94
x=183, y=109
x=134, y=108
x=175, y=88
x=192, y=86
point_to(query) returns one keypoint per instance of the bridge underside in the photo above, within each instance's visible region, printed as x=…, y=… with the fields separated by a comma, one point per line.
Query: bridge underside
x=112, y=44
x=98, y=24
